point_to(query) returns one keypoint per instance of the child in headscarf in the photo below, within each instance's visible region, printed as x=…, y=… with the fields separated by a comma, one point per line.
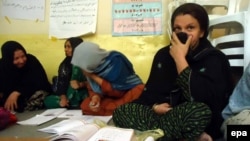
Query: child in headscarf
x=112, y=79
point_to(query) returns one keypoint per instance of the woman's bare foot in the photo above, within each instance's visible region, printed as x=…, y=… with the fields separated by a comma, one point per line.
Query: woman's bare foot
x=205, y=137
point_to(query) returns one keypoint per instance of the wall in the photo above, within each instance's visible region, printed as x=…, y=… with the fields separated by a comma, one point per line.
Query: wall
x=33, y=35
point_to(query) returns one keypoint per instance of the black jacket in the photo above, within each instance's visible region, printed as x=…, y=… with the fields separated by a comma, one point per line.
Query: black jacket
x=209, y=81
x=27, y=80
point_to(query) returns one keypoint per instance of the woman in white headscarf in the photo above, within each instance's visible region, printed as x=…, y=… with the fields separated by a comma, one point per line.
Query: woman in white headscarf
x=112, y=79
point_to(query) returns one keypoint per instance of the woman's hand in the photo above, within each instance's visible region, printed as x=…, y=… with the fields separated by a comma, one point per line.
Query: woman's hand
x=11, y=102
x=162, y=108
x=178, y=51
x=64, y=101
x=94, y=104
x=75, y=84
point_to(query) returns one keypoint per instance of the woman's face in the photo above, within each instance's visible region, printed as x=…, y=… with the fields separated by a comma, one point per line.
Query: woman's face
x=19, y=59
x=68, y=49
x=188, y=24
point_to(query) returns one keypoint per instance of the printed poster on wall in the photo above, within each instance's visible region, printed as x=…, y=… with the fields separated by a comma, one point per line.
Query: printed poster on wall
x=71, y=18
x=136, y=17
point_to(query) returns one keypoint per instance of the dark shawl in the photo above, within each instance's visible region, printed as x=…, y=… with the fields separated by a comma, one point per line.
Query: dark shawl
x=210, y=80
x=26, y=80
x=65, y=69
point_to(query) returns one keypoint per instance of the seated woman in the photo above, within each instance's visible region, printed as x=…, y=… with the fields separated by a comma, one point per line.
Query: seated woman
x=24, y=83
x=188, y=86
x=111, y=77
x=70, y=85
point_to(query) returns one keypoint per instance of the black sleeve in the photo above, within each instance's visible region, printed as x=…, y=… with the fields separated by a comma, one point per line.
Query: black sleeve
x=212, y=84
x=161, y=79
x=64, y=76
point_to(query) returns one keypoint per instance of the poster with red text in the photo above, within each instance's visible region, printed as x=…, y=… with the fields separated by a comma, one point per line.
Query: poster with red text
x=136, y=17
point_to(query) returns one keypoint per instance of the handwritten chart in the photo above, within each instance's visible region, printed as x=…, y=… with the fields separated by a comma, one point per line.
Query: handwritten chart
x=137, y=17
x=24, y=9
x=70, y=18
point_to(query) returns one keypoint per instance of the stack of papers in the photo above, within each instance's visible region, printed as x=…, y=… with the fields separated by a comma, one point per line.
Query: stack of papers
x=43, y=117
x=36, y=120
x=51, y=114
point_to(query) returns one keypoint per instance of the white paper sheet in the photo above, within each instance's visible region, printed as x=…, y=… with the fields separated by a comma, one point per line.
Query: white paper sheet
x=24, y=9
x=45, y=116
x=72, y=18
x=36, y=120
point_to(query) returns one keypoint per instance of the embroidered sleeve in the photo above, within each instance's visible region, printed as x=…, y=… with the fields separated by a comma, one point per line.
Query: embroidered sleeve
x=183, y=80
x=64, y=75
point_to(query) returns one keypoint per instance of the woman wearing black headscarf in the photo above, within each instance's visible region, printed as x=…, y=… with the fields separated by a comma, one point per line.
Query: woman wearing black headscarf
x=188, y=86
x=23, y=80
x=69, y=85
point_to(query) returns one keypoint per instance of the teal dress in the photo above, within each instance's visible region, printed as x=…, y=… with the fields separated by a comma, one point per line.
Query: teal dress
x=75, y=96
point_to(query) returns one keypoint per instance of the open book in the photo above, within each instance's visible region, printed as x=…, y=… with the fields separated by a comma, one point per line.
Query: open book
x=78, y=130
